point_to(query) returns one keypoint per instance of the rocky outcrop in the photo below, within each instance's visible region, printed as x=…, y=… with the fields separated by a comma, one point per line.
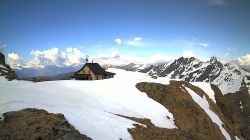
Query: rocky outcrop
x=2, y=58
x=35, y=124
x=151, y=132
x=236, y=108
x=5, y=69
x=192, y=121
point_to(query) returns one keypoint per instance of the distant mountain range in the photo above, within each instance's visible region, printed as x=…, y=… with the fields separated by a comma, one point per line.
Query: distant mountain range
x=51, y=70
x=229, y=77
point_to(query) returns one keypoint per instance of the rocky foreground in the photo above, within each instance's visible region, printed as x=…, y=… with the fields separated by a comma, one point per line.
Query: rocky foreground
x=36, y=124
x=193, y=122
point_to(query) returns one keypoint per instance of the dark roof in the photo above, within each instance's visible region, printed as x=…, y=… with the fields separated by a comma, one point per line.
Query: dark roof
x=109, y=73
x=95, y=68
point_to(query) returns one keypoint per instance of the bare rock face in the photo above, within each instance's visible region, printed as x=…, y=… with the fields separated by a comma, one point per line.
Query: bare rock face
x=35, y=124
x=236, y=108
x=192, y=121
x=5, y=69
x=2, y=58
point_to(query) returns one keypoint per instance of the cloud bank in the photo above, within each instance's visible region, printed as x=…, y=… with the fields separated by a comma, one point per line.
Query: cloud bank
x=53, y=56
x=244, y=60
x=14, y=59
x=74, y=56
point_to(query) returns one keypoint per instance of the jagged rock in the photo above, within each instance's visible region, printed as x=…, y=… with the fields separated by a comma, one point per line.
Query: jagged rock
x=37, y=124
x=2, y=58
x=236, y=108
x=5, y=69
x=192, y=121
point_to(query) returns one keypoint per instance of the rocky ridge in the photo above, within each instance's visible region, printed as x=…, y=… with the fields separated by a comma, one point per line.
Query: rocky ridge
x=5, y=69
x=192, y=121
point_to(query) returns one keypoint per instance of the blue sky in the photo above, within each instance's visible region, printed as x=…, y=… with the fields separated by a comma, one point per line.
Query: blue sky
x=144, y=28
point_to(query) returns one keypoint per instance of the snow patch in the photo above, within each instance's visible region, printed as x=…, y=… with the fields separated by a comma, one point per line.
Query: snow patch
x=237, y=138
x=1, y=66
x=206, y=87
x=241, y=106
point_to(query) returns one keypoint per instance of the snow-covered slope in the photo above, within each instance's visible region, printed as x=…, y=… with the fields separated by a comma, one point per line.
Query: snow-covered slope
x=231, y=78
x=206, y=87
x=90, y=105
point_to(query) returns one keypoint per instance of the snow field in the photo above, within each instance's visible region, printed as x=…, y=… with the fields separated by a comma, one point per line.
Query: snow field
x=90, y=105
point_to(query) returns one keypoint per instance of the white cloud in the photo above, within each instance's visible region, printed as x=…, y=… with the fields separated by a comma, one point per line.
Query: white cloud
x=54, y=56
x=74, y=56
x=137, y=42
x=159, y=58
x=188, y=53
x=204, y=45
x=48, y=57
x=119, y=59
x=137, y=38
x=14, y=56
x=14, y=59
x=118, y=41
x=244, y=60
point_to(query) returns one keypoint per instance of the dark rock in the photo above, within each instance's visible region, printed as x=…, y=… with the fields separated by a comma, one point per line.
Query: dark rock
x=2, y=58
x=6, y=71
x=236, y=108
x=192, y=121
